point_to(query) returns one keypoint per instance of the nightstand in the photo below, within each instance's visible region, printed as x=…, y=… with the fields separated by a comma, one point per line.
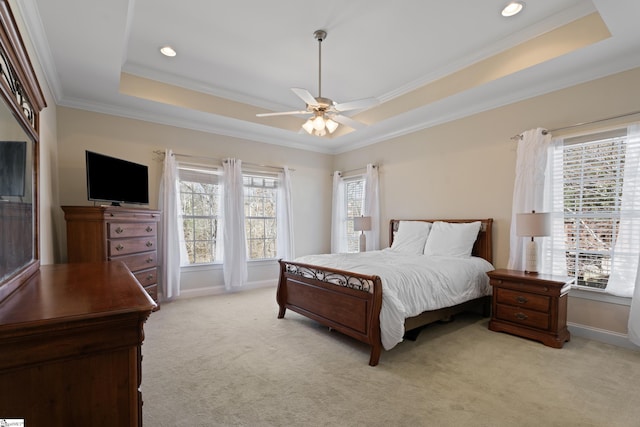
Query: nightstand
x=530, y=305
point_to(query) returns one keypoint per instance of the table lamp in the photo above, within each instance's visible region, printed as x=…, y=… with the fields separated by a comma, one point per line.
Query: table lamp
x=362, y=224
x=532, y=225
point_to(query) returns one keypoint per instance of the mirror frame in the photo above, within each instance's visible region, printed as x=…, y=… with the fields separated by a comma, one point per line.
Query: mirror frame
x=22, y=94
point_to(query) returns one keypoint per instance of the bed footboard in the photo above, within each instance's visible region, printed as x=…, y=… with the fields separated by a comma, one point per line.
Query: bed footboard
x=347, y=302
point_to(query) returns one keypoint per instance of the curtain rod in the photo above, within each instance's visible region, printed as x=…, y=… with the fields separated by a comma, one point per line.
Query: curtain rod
x=215, y=159
x=545, y=131
x=375, y=165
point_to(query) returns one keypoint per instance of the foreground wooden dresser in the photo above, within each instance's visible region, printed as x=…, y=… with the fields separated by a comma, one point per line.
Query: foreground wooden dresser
x=70, y=340
x=101, y=233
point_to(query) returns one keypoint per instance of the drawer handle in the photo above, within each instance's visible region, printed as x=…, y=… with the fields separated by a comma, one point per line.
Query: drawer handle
x=149, y=244
x=119, y=230
x=119, y=247
x=150, y=276
x=521, y=300
x=521, y=316
x=149, y=260
x=149, y=229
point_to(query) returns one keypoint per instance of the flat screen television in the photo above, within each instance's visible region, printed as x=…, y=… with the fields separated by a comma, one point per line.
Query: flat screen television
x=114, y=180
x=13, y=164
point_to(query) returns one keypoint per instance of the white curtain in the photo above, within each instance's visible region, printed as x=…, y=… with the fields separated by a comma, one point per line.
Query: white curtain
x=528, y=190
x=372, y=206
x=625, y=268
x=338, y=216
x=171, y=250
x=235, y=248
x=554, y=256
x=284, y=224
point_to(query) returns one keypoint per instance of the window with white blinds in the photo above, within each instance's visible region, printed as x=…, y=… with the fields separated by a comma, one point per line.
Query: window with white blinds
x=354, y=199
x=201, y=191
x=260, y=202
x=593, y=171
x=200, y=198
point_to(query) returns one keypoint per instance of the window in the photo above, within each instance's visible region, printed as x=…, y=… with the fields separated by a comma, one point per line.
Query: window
x=593, y=171
x=201, y=193
x=354, y=200
x=260, y=201
x=200, y=197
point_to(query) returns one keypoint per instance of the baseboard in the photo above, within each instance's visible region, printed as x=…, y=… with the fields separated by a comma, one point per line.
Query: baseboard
x=601, y=335
x=219, y=290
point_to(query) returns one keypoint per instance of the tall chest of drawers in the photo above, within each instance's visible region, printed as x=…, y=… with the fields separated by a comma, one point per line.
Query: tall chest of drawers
x=112, y=233
x=533, y=306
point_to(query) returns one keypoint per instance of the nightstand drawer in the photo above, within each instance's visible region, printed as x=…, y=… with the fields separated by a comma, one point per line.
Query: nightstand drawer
x=522, y=316
x=523, y=299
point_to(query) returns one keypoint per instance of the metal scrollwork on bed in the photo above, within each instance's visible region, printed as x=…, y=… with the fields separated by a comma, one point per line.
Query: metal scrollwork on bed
x=341, y=279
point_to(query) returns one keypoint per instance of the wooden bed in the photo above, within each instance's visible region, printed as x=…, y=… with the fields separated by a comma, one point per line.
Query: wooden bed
x=350, y=302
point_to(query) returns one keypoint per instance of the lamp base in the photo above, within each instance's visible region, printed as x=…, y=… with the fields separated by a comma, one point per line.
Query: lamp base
x=363, y=242
x=531, y=257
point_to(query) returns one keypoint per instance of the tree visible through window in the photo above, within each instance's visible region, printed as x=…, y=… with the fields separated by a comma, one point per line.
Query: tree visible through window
x=201, y=201
x=354, y=194
x=260, y=199
x=593, y=176
x=200, y=197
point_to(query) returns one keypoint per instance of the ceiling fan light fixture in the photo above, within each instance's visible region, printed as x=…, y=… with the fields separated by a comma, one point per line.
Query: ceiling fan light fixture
x=318, y=123
x=331, y=125
x=513, y=8
x=308, y=126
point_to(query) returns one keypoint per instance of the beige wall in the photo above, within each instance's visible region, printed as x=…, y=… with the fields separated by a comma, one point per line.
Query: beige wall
x=136, y=141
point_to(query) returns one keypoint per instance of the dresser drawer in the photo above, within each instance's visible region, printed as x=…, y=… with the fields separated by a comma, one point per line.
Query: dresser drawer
x=147, y=277
x=523, y=299
x=131, y=229
x=522, y=316
x=139, y=261
x=131, y=246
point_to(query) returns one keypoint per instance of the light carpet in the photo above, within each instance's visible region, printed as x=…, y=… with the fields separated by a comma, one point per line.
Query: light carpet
x=228, y=361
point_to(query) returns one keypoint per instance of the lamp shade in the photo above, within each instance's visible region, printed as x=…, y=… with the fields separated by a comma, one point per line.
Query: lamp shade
x=362, y=223
x=533, y=224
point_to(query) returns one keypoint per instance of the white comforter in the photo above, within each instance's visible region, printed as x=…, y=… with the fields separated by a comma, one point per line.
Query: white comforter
x=412, y=284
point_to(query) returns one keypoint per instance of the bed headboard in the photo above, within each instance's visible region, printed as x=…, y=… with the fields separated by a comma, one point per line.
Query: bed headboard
x=483, y=247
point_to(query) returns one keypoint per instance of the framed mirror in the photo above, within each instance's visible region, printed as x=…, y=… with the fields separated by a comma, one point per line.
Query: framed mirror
x=21, y=102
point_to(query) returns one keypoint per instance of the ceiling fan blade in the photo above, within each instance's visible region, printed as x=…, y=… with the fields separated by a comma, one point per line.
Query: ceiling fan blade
x=305, y=96
x=282, y=113
x=348, y=121
x=356, y=105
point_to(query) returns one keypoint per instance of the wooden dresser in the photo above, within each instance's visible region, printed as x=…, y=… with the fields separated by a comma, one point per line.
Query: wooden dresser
x=71, y=338
x=530, y=305
x=101, y=233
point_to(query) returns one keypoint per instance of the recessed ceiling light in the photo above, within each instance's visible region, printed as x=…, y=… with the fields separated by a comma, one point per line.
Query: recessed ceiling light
x=513, y=8
x=168, y=51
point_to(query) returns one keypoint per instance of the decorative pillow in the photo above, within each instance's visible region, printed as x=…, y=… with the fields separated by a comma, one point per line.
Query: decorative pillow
x=452, y=239
x=411, y=237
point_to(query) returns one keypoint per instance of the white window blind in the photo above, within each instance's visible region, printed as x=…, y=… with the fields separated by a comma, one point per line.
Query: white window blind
x=260, y=212
x=354, y=195
x=200, y=197
x=593, y=171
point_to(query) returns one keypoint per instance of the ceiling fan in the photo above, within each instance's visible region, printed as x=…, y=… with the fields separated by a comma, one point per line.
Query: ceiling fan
x=325, y=113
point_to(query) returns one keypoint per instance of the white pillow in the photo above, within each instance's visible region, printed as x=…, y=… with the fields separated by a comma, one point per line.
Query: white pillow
x=411, y=237
x=452, y=239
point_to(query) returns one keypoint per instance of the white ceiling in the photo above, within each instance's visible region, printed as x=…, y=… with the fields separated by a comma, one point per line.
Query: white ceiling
x=251, y=52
